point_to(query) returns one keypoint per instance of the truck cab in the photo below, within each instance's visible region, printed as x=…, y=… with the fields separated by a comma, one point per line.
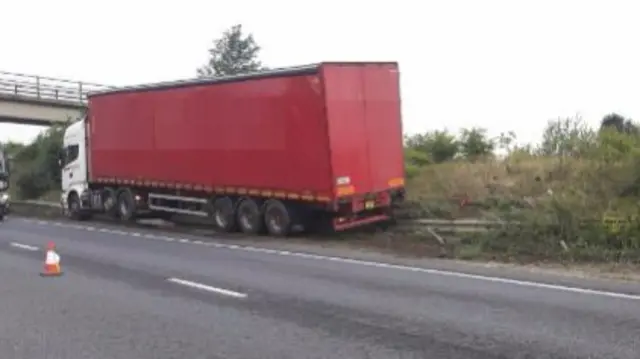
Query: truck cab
x=73, y=163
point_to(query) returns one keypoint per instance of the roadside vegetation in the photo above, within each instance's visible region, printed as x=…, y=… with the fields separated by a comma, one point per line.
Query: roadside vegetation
x=574, y=196
x=35, y=170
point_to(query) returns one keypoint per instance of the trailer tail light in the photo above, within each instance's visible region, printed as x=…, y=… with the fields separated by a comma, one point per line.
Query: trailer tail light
x=345, y=191
x=396, y=182
x=344, y=186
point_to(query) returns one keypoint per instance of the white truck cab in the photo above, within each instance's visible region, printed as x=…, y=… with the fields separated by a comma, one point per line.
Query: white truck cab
x=73, y=161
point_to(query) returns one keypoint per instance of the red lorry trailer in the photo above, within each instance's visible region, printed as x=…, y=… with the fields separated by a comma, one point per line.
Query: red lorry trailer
x=313, y=146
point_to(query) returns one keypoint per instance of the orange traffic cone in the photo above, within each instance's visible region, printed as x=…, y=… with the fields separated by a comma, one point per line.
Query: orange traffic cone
x=51, y=262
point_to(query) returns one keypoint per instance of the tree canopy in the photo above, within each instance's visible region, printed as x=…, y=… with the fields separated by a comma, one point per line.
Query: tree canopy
x=232, y=54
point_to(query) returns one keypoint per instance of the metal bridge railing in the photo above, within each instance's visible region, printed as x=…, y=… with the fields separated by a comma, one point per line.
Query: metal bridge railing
x=46, y=88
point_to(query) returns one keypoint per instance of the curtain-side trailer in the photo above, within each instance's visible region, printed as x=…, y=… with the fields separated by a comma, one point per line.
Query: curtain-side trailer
x=314, y=146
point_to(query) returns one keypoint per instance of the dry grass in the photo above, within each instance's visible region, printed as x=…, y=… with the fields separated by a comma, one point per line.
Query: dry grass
x=591, y=186
x=563, y=209
x=456, y=180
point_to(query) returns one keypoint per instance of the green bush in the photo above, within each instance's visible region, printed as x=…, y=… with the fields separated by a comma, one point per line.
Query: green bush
x=33, y=183
x=35, y=169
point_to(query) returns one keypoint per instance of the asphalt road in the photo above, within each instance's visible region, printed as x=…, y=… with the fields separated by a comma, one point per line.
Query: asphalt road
x=128, y=293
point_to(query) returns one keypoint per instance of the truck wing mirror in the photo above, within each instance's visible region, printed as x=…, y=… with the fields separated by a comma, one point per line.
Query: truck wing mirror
x=60, y=157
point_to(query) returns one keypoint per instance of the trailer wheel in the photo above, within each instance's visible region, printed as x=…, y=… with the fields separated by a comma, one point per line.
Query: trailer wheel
x=277, y=218
x=126, y=205
x=249, y=217
x=222, y=214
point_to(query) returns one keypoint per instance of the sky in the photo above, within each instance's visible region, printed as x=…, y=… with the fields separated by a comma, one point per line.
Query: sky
x=504, y=65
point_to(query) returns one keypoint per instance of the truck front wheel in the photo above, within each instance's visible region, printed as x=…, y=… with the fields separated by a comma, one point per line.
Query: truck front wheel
x=74, y=208
x=277, y=218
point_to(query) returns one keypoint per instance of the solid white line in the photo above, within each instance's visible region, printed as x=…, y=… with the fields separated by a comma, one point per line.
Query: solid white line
x=502, y=280
x=24, y=246
x=522, y=283
x=207, y=288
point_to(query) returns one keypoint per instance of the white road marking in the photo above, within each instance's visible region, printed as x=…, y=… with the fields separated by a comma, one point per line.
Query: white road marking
x=24, y=246
x=485, y=278
x=207, y=288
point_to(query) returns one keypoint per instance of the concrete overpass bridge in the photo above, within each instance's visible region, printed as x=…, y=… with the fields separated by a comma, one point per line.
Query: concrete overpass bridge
x=39, y=100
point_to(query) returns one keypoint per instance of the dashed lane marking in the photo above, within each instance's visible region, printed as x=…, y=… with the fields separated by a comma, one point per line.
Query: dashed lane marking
x=207, y=288
x=24, y=246
x=461, y=275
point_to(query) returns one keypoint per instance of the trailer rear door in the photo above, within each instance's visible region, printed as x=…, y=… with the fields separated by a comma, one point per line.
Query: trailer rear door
x=365, y=129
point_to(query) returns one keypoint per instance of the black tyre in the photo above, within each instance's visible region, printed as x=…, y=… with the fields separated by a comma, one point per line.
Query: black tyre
x=249, y=217
x=110, y=202
x=73, y=206
x=223, y=215
x=277, y=218
x=74, y=209
x=126, y=206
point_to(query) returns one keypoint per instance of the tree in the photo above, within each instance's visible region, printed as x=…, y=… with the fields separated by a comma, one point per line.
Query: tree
x=35, y=165
x=619, y=123
x=232, y=54
x=569, y=136
x=439, y=146
x=475, y=144
x=12, y=148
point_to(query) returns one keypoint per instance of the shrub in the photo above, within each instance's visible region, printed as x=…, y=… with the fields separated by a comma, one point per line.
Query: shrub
x=35, y=169
x=575, y=197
